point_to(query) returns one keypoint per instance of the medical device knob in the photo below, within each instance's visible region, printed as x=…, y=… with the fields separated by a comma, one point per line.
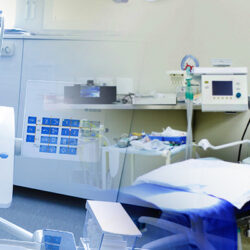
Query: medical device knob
x=238, y=95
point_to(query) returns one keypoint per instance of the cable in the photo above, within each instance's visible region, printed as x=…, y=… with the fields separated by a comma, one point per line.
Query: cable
x=125, y=157
x=242, y=138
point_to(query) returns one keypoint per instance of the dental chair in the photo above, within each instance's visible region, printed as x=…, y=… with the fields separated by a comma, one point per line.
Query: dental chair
x=202, y=208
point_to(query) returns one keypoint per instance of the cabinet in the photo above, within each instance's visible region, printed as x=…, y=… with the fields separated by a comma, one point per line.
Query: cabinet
x=70, y=60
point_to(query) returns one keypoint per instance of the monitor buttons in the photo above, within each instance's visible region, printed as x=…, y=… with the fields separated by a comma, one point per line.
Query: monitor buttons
x=238, y=95
x=30, y=138
x=32, y=120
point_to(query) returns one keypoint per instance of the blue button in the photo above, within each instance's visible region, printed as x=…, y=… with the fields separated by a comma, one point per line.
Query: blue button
x=238, y=95
x=32, y=120
x=43, y=149
x=51, y=247
x=74, y=132
x=55, y=121
x=71, y=123
x=49, y=140
x=73, y=141
x=64, y=141
x=65, y=131
x=45, y=130
x=31, y=129
x=46, y=121
x=66, y=122
x=30, y=138
x=63, y=150
x=52, y=239
x=52, y=149
x=54, y=131
x=53, y=140
x=67, y=150
x=44, y=139
x=75, y=123
x=47, y=149
x=72, y=151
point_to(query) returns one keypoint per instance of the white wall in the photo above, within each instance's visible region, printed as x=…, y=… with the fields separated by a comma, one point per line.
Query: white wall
x=169, y=28
x=163, y=28
x=221, y=128
x=222, y=29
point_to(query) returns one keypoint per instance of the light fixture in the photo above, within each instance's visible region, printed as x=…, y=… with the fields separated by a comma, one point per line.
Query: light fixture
x=125, y=1
x=120, y=1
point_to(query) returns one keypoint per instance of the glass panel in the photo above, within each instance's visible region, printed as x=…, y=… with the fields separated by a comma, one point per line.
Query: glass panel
x=80, y=137
x=150, y=151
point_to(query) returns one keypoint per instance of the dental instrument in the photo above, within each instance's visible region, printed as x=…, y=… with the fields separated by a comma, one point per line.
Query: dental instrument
x=205, y=144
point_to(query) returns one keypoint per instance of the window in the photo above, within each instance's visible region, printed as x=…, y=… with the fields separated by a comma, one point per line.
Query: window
x=9, y=11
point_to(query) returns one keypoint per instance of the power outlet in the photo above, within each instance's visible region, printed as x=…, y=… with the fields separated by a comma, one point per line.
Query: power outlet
x=8, y=49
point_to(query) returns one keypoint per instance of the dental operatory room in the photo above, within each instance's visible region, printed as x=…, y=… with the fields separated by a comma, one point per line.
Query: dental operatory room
x=124, y=125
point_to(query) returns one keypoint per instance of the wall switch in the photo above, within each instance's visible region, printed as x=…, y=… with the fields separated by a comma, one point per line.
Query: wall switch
x=8, y=49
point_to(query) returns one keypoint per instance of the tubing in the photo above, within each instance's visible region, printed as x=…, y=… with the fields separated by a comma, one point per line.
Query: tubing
x=189, y=143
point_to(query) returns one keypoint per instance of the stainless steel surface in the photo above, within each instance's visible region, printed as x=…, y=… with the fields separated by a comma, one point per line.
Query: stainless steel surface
x=119, y=106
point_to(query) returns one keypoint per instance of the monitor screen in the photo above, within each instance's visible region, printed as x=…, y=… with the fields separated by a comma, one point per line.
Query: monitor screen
x=90, y=91
x=224, y=88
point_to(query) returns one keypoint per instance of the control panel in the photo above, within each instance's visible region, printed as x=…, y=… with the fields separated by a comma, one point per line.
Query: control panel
x=53, y=130
x=57, y=137
x=224, y=93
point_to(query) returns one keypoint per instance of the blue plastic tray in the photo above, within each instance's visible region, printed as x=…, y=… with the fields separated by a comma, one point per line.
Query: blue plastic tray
x=176, y=140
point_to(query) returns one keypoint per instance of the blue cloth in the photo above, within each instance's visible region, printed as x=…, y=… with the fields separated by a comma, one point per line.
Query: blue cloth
x=218, y=218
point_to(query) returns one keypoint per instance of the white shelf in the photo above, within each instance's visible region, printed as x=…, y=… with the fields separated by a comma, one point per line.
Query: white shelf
x=63, y=106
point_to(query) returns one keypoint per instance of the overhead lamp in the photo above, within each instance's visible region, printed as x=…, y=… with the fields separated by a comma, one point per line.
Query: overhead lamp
x=120, y=1
x=125, y=1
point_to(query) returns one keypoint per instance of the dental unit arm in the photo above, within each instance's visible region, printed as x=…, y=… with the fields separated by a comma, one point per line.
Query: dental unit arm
x=9, y=146
x=205, y=144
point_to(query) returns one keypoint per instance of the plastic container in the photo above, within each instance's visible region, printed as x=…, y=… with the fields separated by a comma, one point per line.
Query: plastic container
x=152, y=137
x=108, y=227
x=174, y=140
